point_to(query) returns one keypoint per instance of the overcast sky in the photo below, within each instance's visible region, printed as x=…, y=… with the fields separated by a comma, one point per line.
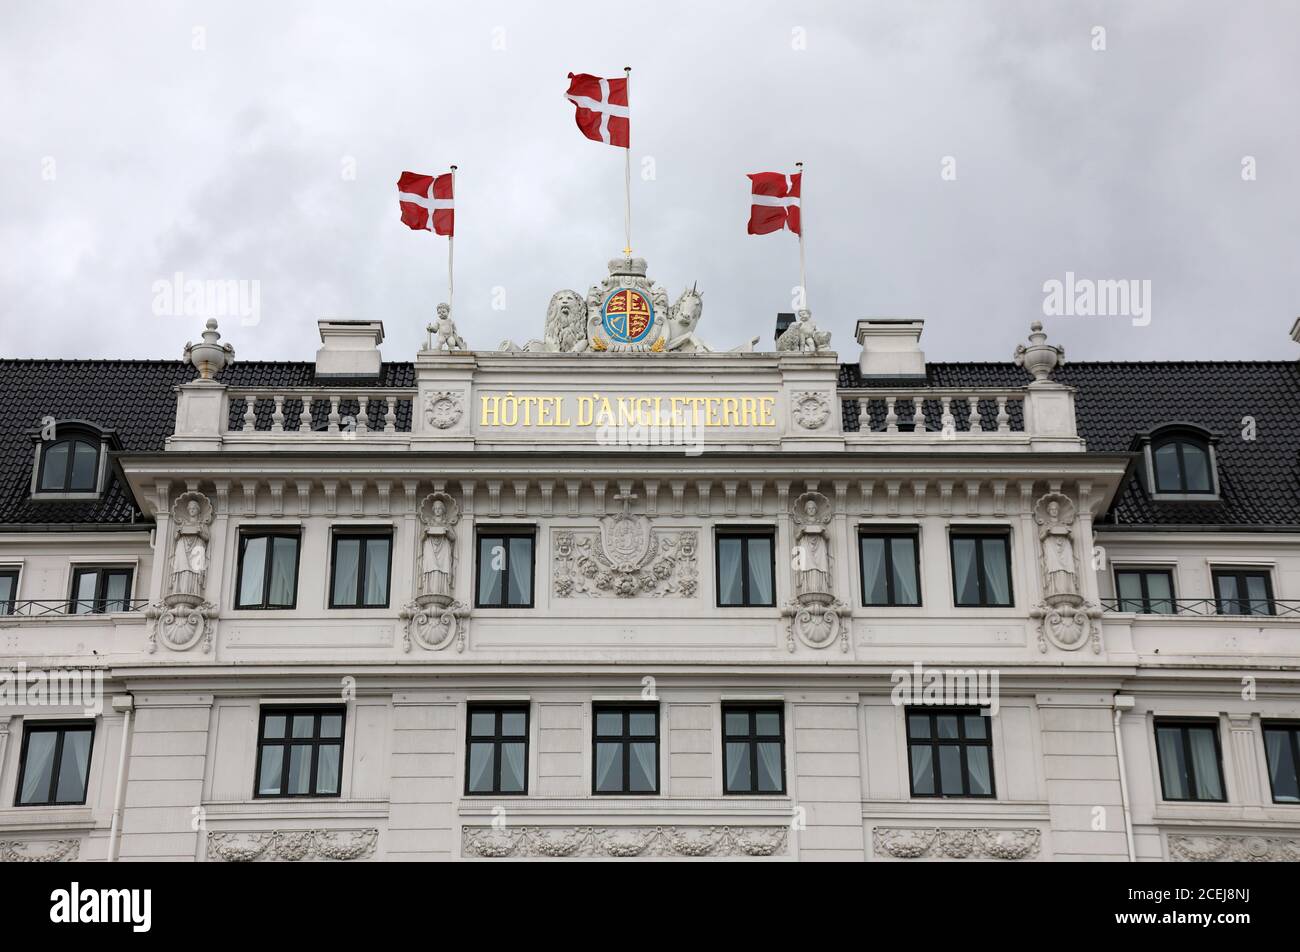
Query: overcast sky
x=262, y=141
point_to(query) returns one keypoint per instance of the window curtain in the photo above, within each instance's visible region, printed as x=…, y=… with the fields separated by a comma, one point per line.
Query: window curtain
x=490, y=569
x=1160, y=594
x=977, y=761
x=1281, y=766
x=1205, y=760
x=480, y=768
x=252, y=569
x=512, y=767
x=738, y=778
x=643, y=760
x=904, y=568
x=346, y=554
x=760, y=571
x=40, y=763
x=922, y=770
x=283, y=566
x=730, y=590
x=84, y=459
x=376, y=571
x=521, y=571
x=875, y=591
x=327, y=769
x=1197, y=468
x=1258, y=593
x=609, y=766
x=995, y=571
x=963, y=558
x=769, y=766
x=1173, y=773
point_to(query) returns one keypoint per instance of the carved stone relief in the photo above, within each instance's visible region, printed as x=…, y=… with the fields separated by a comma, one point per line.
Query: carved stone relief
x=624, y=842
x=443, y=409
x=39, y=851
x=625, y=558
x=291, y=845
x=1233, y=849
x=435, y=619
x=956, y=843
x=810, y=408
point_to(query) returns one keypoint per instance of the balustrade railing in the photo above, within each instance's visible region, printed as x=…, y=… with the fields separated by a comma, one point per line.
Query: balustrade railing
x=950, y=412
x=338, y=410
x=1277, y=607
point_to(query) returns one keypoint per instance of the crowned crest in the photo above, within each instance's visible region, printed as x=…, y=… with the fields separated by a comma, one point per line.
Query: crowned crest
x=626, y=311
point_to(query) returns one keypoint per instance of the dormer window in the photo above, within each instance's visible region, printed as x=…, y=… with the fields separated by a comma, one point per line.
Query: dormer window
x=1180, y=463
x=71, y=464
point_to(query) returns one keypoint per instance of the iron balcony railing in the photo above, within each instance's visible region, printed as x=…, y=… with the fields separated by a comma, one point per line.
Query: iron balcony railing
x=1276, y=607
x=39, y=608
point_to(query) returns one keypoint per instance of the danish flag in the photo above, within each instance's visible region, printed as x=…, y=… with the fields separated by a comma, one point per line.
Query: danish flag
x=427, y=203
x=602, y=112
x=774, y=203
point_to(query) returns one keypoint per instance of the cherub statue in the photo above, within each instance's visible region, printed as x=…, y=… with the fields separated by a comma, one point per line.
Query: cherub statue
x=803, y=335
x=445, y=329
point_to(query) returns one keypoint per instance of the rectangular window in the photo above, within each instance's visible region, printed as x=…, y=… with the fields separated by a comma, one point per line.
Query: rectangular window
x=1145, y=591
x=268, y=570
x=1190, y=768
x=300, y=752
x=8, y=590
x=950, y=752
x=505, y=569
x=1282, y=748
x=626, y=749
x=890, y=564
x=497, y=751
x=54, y=766
x=361, y=562
x=746, y=568
x=981, y=569
x=100, y=589
x=753, y=740
x=1243, y=591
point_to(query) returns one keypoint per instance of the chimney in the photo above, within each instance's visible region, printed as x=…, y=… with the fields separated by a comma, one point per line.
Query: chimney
x=349, y=349
x=783, y=321
x=891, y=347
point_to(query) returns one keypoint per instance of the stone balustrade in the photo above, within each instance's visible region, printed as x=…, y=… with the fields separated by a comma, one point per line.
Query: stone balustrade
x=320, y=410
x=959, y=413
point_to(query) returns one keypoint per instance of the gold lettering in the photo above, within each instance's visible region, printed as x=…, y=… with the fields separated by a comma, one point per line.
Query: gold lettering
x=586, y=410
x=766, y=406
x=509, y=410
x=748, y=412
x=730, y=411
x=489, y=415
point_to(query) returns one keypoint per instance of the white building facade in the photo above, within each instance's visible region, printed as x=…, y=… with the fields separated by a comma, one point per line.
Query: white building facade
x=613, y=594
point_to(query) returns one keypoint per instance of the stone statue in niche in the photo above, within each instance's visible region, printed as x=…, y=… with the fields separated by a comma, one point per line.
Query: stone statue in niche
x=1054, y=514
x=191, y=515
x=812, y=559
x=184, y=617
x=1065, y=619
x=813, y=615
x=439, y=513
x=435, y=619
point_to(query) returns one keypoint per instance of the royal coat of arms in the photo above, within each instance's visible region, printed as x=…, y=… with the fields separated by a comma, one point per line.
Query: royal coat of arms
x=626, y=311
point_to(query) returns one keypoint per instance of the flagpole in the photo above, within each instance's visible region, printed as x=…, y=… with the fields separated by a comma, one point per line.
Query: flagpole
x=627, y=170
x=451, y=241
x=803, y=276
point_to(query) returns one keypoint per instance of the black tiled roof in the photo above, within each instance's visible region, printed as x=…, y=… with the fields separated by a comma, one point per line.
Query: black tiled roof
x=1259, y=479
x=134, y=398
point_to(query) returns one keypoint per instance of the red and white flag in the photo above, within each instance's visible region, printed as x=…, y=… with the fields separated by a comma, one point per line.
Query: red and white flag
x=774, y=203
x=602, y=112
x=427, y=202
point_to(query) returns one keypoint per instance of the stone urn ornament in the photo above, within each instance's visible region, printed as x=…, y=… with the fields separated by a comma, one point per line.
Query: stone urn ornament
x=210, y=357
x=1039, y=358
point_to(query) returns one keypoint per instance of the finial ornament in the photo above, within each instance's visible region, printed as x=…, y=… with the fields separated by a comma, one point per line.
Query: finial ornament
x=209, y=357
x=1039, y=358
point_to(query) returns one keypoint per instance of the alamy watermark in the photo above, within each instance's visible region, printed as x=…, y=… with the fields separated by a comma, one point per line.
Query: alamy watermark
x=62, y=687
x=921, y=686
x=204, y=298
x=1086, y=297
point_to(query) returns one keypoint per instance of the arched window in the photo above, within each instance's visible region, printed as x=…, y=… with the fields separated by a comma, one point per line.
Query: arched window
x=69, y=465
x=1180, y=462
